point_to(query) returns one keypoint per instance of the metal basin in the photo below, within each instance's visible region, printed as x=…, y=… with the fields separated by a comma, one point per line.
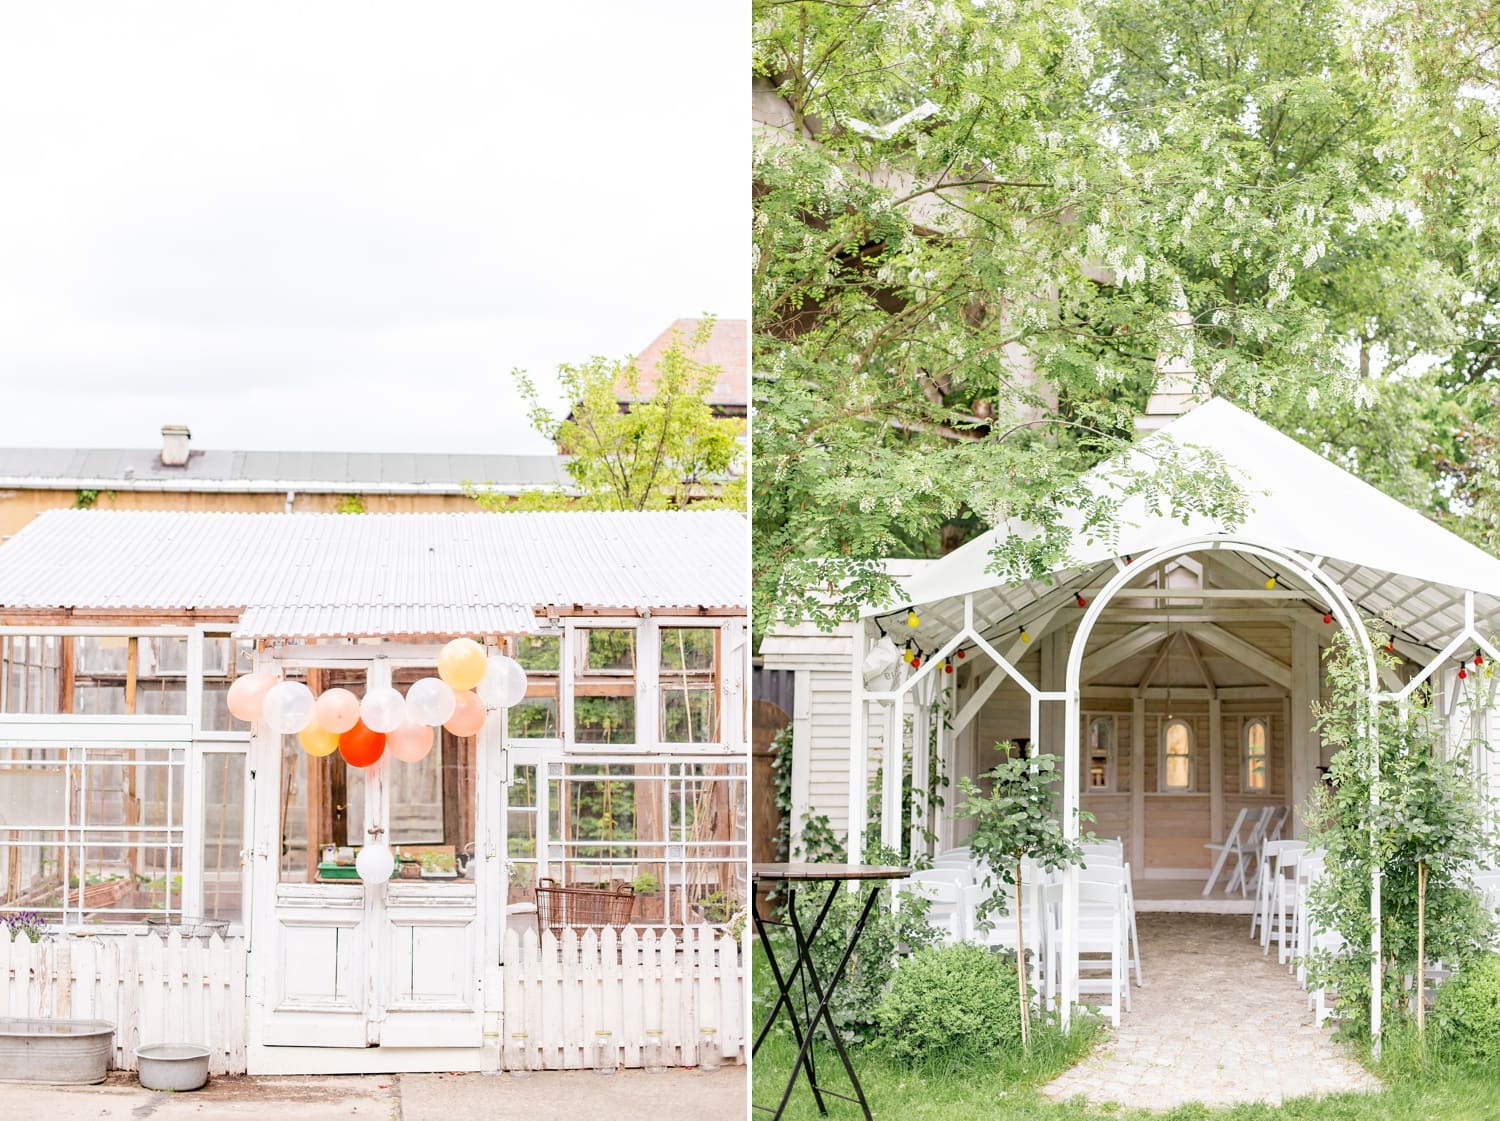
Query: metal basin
x=57, y=1052
x=172, y=1066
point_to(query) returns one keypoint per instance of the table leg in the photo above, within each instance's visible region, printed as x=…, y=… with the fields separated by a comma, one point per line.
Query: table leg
x=784, y=996
x=825, y=997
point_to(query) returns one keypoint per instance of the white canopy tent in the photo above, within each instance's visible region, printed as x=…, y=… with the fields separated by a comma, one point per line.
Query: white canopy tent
x=1313, y=533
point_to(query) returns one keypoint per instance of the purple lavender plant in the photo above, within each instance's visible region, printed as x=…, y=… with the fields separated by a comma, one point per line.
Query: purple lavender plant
x=28, y=923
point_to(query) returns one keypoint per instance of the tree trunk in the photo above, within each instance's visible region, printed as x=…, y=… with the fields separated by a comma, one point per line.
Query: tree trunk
x=1421, y=948
x=1021, y=968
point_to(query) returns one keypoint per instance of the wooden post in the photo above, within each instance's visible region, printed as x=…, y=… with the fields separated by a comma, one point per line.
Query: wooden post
x=132, y=801
x=319, y=805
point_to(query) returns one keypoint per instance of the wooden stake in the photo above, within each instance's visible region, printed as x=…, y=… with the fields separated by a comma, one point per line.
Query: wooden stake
x=132, y=800
x=1421, y=947
x=1021, y=968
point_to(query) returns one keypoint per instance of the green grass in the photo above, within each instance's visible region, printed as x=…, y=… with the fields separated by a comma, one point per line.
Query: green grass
x=1418, y=1086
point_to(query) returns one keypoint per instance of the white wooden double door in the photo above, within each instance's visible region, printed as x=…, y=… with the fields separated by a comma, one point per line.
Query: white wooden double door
x=353, y=965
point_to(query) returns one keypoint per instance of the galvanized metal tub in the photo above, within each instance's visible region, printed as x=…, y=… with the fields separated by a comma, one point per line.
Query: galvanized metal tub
x=172, y=1066
x=57, y=1052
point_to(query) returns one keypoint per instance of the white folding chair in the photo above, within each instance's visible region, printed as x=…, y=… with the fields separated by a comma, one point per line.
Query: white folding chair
x=1309, y=868
x=1120, y=874
x=1249, y=862
x=1230, y=845
x=1102, y=935
x=1277, y=858
x=944, y=904
x=1284, y=901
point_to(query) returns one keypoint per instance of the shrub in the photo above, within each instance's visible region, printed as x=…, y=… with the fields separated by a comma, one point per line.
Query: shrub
x=952, y=1004
x=1467, y=1011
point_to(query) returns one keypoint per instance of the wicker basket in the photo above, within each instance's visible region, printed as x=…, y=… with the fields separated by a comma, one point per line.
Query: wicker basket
x=558, y=906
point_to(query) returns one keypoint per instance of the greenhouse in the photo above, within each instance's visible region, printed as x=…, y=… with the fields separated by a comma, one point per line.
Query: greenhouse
x=612, y=763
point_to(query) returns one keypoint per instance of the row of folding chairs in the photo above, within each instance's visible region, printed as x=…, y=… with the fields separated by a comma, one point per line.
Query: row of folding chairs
x=956, y=887
x=1252, y=827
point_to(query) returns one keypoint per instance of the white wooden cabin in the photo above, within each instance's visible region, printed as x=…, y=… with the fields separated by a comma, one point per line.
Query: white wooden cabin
x=129, y=795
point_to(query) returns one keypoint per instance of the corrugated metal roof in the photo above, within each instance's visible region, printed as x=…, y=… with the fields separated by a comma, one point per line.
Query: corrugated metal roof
x=355, y=574
x=126, y=468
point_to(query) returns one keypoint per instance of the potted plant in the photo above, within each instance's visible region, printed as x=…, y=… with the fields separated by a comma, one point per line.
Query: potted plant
x=650, y=906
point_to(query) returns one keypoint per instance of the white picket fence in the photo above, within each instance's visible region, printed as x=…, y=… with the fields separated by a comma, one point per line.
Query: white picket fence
x=153, y=991
x=562, y=992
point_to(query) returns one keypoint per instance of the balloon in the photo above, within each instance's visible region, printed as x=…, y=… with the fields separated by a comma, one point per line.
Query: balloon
x=468, y=715
x=429, y=701
x=288, y=708
x=461, y=663
x=375, y=863
x=318, y=741
x=382, y=710
x=337, y=710
x=410, y=743
x=504, y=682
x=248, y=694
x=360, y=747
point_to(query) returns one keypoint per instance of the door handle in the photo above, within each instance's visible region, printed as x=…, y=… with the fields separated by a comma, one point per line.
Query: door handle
x=375, y=830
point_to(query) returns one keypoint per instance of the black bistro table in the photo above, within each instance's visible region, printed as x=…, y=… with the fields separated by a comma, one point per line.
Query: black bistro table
x=804, y=1019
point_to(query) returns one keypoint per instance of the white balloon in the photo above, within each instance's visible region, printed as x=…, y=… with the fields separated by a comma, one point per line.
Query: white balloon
x=383, y=710
x=288, y=708
x=430, y=701
x=515, y=686
x=504, y=683
x=375, y=863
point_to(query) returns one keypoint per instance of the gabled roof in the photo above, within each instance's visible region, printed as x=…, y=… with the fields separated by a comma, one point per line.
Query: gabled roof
x=312, y=575
x=270, y=471
x=1387, y=557
x=727, y=348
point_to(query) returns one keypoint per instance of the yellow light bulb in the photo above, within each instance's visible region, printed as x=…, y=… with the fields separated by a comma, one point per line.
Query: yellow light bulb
x=907, y=654
x=1024, y=636
x=912, y=620
x=1271, y=583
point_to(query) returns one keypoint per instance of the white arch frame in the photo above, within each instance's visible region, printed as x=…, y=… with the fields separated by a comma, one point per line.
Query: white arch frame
x=1343, y=610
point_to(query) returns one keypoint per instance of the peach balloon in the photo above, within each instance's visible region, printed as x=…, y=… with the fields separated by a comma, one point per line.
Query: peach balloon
x=468, y=715
x=247, y=695
x=318, y=741
x=411, y=742
x=337, y=710
x=462, y=664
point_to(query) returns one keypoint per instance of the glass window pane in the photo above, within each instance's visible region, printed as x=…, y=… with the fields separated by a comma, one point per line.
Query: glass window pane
x=689, y=685
x=535, y=716
x=607, y=649
x=223, y=834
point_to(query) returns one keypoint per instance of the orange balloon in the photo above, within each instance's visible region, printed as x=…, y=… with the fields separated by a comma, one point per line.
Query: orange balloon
x=360, y=747
x=468, y=715
x=318, y=741
x=461, y=663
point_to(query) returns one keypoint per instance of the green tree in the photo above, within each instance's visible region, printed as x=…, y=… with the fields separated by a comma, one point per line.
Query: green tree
x=982, y=230
x=1427, y=836
x=1017, y=820
x=663, y=451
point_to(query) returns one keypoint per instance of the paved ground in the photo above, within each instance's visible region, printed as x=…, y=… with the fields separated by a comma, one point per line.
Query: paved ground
x=1216, y=1022
x=681, y=1095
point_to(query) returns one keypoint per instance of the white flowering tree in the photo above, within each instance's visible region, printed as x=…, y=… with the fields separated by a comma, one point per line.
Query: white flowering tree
x=981, y=230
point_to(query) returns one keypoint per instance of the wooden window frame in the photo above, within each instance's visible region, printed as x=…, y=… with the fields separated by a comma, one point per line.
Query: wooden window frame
x=1163, y=723
x=1245, y=723
x=1111, y=770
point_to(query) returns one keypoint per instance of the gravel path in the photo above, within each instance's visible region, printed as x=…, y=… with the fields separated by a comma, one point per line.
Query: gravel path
x=1216, y=1023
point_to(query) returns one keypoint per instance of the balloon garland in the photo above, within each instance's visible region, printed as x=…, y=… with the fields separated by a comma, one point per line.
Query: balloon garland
x=467, y=687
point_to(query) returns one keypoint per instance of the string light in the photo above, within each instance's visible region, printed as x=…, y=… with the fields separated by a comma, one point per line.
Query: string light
x=1328, y=616
x=1271, y=582
x=912, y=618
x=1025, y=636
x=1081, y=601
x=907, y=654
x=1462, y=672
x=1478, y=657
x=916, y=662
x=961, y=653
x=947, y=667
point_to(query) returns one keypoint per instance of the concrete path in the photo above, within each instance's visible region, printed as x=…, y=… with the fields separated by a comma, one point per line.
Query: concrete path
x=681, y=1095
x=1215, y=1023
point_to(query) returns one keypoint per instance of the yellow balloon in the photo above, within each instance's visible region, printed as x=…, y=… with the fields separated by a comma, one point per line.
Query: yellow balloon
x=462, y=664
x=318, y=741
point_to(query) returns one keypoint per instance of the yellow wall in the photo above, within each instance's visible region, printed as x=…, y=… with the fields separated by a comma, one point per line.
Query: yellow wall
x=17, y=507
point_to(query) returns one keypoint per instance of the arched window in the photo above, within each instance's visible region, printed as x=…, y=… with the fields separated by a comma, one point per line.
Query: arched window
x=1176, y=755
x=1099, y=736
x=1256, y=750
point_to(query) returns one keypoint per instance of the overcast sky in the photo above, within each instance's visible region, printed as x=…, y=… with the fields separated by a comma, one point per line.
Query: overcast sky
x=339, y=225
